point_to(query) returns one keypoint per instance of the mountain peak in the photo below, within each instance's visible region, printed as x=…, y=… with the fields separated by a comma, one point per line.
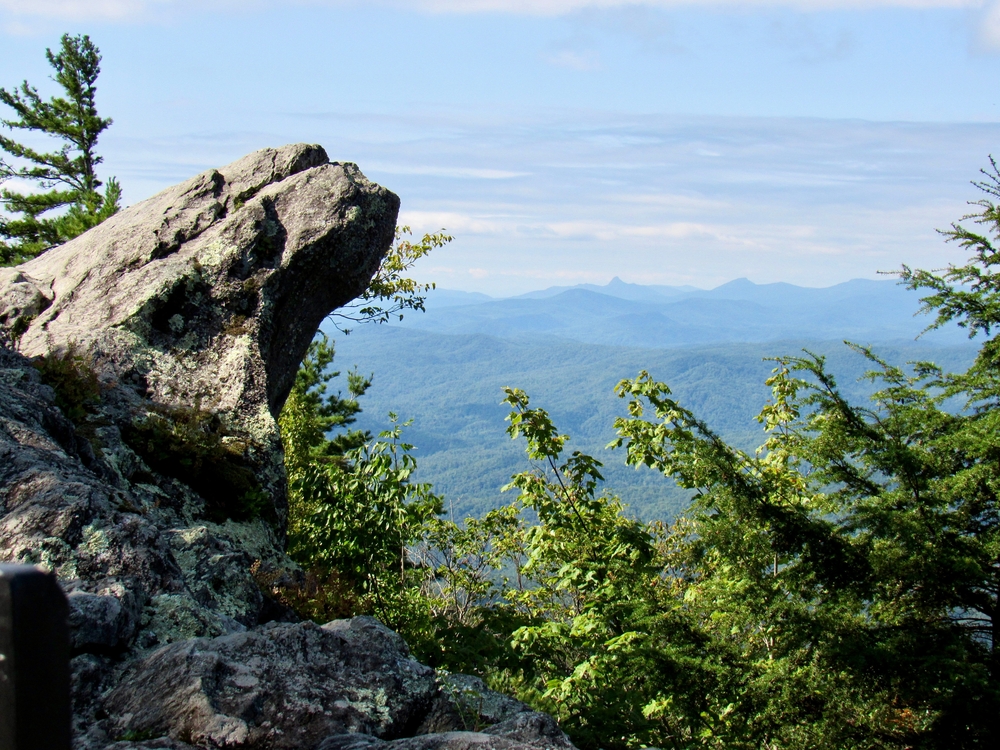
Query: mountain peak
x=741, y=283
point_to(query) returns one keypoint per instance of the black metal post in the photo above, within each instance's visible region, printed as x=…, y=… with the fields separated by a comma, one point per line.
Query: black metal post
x=34, y=661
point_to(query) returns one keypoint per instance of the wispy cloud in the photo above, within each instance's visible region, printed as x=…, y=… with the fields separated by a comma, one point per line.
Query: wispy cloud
x=813, y=202
x=573, y=60
x=83, y=9
x=455, y=222
x=557, y=7
x=461, y=173
x=670, y=201
x=541, y=274
x=130, y=10
x=989, y=28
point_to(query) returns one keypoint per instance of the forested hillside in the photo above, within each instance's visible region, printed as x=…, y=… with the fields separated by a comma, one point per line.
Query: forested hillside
x=826, y=578
x=450, y=383
x=834, y=588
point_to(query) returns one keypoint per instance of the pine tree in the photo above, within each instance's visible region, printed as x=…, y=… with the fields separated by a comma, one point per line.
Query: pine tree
x=67, y=176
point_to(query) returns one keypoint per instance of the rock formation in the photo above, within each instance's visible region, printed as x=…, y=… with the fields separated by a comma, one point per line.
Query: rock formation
x=142, y=369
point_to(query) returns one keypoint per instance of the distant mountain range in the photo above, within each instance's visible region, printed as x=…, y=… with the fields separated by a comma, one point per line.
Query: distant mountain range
x=623, y=314
x=568, y=346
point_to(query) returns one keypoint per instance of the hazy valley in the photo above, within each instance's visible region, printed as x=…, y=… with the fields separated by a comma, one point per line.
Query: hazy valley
x=568, y=347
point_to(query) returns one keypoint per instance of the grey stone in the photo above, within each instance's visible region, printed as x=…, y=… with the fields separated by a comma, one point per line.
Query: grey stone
x=525, y=731
x=532, y=728
x=58, y=512
x=471, y=695
x=465, y=703
x=279, y=686
x=192, y=310
x=202, y=298
x=21, y=303
x=102, y=621
x=208, y=293
x=89, y=677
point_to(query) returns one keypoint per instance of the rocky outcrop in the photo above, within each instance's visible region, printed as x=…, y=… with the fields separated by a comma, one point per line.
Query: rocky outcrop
x=142, y=369
x=465, y=703
x=526, y=731
x=280, y=686
x=62, y=506
x=295, y=686
x=139, y=455
x=208, y=293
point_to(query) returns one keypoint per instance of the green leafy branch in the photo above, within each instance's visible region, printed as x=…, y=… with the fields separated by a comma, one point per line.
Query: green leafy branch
x=390, y=293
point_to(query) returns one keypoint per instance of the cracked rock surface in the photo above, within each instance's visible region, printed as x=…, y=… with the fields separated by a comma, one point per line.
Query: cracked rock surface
x=279, y=686
x=209, y=293
x=142, y=369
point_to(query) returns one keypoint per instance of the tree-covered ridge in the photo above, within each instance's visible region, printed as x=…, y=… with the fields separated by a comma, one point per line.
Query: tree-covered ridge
x=836, y=587
x=449, y=385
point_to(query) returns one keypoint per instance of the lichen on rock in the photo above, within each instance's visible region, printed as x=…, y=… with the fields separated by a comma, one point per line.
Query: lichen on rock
x=142, y=368
x=139, y=452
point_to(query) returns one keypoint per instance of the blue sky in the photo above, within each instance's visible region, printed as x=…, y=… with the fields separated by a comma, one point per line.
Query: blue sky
x=563, y=141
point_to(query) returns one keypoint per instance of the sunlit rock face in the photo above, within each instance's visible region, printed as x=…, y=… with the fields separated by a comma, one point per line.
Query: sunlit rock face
x=142, y=369
x=207, y=294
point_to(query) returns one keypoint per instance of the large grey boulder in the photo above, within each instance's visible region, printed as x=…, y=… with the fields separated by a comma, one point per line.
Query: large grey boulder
x=525, y=731
x=189, y=312
x=348, y=685
x=280, y=686
x=177, y=326
x=61, y=507
x=142, y=369
x=208, y=293
x=464, y=702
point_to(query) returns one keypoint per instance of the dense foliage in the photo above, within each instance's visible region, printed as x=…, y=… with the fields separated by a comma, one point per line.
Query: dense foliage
x=837, y=587
x=450, y=388
x=353, y=513
x=67, y=176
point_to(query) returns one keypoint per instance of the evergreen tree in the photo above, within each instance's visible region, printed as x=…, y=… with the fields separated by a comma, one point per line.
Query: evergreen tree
x=67, y=175
x=311, y=412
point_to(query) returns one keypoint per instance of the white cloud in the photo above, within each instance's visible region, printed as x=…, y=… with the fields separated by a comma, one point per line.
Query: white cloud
x=989, y=31
x=128, y=11
x=462, y=173
x=557, y=7
x=547, y=274
x=670, y=201
x=139, y=9
x=582, y=61
x=81, y=9
x=455, y=222
x=622, y=230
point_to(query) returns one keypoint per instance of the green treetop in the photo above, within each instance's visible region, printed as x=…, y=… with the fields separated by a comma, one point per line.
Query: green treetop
x=837, y=588
x=68, y=203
